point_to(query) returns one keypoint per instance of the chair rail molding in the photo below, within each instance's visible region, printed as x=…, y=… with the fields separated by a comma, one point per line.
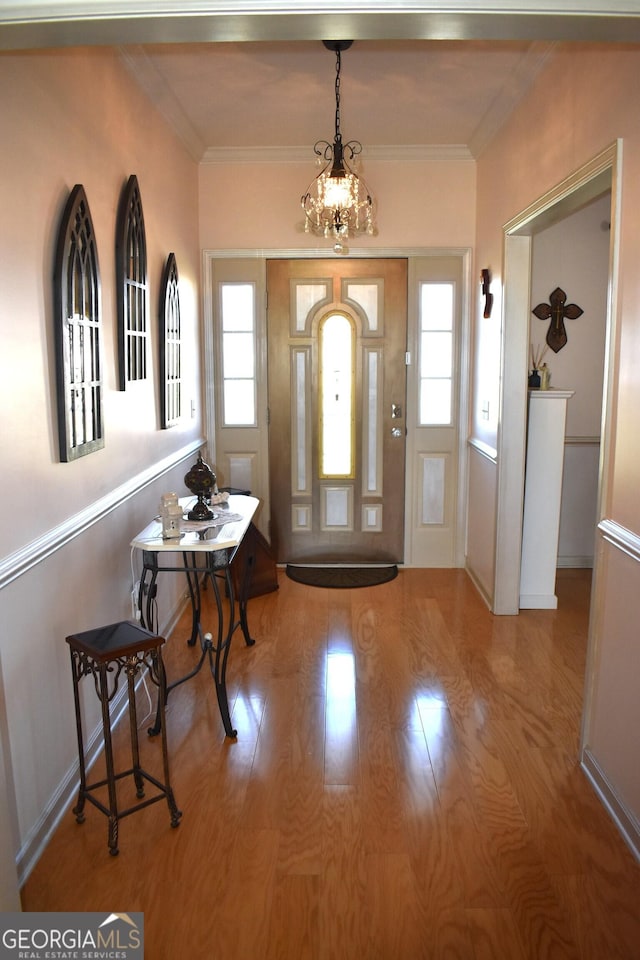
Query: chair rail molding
x=620, y=537
x=16, y=564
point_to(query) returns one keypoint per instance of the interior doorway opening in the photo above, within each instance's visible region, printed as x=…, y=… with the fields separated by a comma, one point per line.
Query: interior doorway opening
x=593, y=180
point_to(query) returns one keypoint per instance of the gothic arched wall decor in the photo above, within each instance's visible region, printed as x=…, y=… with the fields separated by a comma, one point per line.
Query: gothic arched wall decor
x=170, y=346
x=132, y=287
x=78, y=334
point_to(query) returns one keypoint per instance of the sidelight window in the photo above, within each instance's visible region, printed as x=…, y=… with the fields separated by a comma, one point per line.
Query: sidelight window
x=436, y=305
x=238, y=325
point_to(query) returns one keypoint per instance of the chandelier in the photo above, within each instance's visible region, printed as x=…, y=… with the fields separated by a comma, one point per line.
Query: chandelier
x=337, y=203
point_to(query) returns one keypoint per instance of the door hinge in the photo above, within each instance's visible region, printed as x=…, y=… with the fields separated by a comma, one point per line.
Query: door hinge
x=407, y=358
x=268, y=416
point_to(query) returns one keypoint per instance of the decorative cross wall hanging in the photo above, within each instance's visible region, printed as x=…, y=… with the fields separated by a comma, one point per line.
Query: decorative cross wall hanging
x=557, y=309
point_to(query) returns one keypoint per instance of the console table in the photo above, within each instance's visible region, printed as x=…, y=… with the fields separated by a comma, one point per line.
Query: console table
x=204, y=553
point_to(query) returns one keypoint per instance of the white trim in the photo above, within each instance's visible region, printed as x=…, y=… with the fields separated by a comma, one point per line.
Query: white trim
x=22, y=560
x=65, y=794
x=624, y=819
x=407, y=153
x=457, y=21
x=551, y=394
x=146, y=75
x=464, y=406
x=478, y=585
x=535, y=58
x=582, y=441
x=318, y=253
x=620, y=537
x=489, y=453
x=208, y=337
x=512, y=433
x=71, y=9
x=538, y=601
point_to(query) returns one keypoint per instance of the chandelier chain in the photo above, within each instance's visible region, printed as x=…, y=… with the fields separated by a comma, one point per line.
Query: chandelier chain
x=337, y=86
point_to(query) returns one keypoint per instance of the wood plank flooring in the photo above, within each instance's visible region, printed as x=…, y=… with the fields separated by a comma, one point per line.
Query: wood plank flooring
x=404, y=786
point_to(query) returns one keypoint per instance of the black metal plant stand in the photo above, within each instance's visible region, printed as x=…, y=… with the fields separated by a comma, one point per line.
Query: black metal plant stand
x=103, y=654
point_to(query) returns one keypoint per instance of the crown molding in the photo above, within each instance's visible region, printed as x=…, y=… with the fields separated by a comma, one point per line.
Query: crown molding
x=411, y=153
x=510, y=95
x=150, y=81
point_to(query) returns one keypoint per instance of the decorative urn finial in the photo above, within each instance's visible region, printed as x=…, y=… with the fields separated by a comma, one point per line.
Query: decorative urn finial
x=201, y=480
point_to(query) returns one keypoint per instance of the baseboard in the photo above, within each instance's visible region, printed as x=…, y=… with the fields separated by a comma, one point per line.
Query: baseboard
x=538, y=601
x=623, y=818
x=575, y=563
x=478, y=585
x=63, y=798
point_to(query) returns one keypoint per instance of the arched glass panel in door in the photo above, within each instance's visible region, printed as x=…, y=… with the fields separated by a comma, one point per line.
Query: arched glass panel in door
x=337, y=397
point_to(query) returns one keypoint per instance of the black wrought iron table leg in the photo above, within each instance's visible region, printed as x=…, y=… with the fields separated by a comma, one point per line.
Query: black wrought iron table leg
x=245, y=585
x=147, y=591
x=219, y=652
x=191, y=573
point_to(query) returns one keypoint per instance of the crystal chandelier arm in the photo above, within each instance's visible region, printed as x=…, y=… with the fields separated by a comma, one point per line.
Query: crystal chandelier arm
x=322, y=148
x=354, y=147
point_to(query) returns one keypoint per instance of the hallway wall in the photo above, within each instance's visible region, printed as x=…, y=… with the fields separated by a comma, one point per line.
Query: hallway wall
x=247, y=206
x=579, y=105
x=75, y=116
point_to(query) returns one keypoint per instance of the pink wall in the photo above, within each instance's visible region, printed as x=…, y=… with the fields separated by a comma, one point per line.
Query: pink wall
x=257, y=206
x=67, y=117
x=583, y=101
x=76, y=117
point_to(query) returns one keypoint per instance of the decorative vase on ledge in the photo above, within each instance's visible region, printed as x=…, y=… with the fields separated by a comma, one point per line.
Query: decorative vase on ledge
x=201, y=481
x=534, y=379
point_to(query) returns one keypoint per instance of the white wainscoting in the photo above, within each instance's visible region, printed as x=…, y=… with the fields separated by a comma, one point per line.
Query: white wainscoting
x=611, y=728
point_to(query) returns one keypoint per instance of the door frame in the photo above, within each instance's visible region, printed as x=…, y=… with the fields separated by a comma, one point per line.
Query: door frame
x=411, y=253
x=588, y=182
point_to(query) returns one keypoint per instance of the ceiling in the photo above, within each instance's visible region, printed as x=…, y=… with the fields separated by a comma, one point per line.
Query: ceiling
x=418, y=94
x=235, y=78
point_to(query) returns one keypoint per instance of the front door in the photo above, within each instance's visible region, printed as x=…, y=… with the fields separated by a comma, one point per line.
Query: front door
x=337, y=340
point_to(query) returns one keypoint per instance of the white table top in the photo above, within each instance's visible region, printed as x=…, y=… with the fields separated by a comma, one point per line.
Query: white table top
x=218, y=536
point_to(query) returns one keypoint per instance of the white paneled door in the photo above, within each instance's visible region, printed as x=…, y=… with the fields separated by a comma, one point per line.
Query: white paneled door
x=337, y=341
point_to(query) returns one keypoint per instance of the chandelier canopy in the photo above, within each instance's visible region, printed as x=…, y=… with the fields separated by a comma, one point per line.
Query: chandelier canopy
x=338, y=203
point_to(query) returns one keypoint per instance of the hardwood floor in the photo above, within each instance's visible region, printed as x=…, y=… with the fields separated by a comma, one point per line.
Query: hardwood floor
x=404, y=785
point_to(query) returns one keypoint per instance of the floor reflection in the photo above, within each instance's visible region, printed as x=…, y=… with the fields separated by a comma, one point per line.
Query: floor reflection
x=341, y=696
x=430, y=711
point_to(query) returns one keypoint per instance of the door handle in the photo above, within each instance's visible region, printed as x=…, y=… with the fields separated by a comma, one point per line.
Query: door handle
x=396, y=432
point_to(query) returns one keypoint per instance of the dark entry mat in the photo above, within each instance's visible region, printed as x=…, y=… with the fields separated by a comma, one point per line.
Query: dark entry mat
x=342, y=576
